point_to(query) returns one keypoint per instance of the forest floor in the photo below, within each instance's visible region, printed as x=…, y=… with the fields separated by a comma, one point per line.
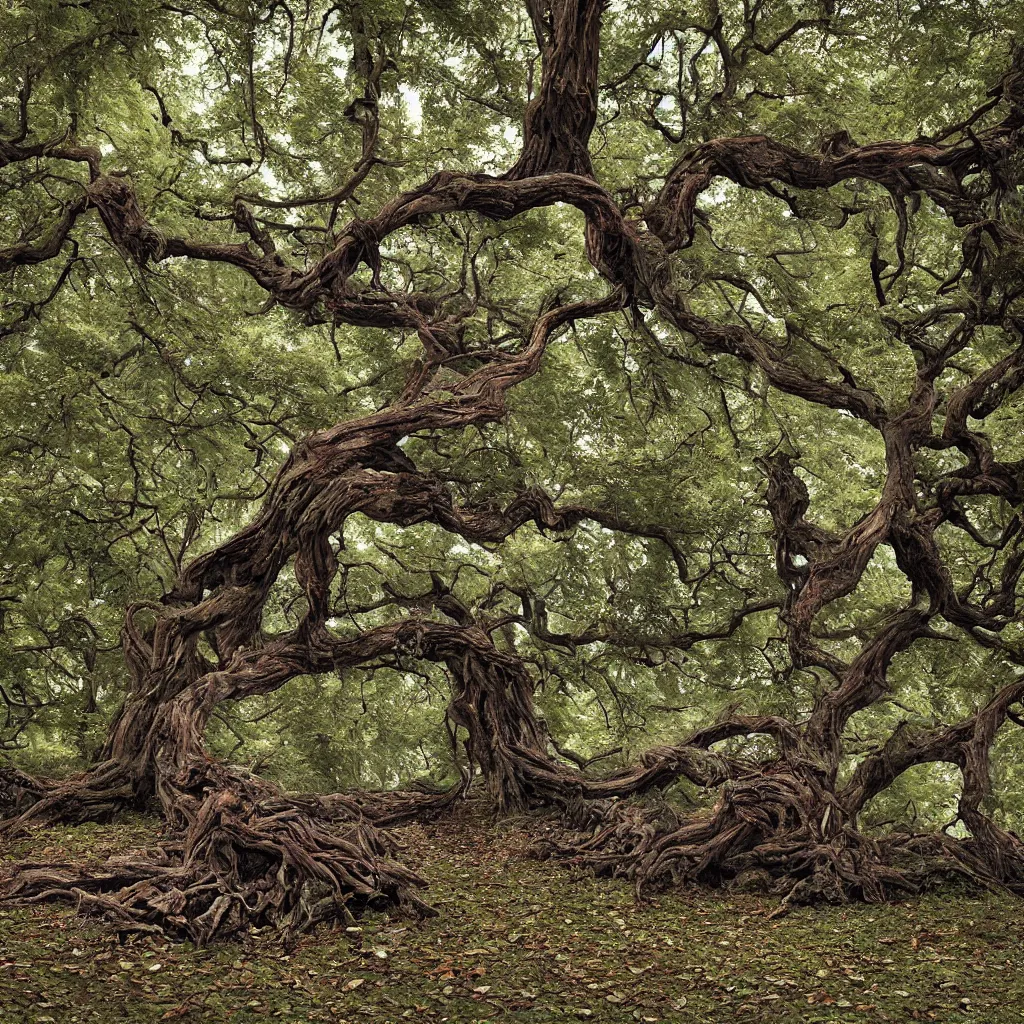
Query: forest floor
x=519, y=939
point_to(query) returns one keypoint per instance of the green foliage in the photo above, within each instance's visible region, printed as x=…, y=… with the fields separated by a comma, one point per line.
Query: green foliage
x=143, y=414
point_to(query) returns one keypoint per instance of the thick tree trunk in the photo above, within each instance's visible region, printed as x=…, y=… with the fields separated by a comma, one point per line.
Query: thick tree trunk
x=125, y=775
x=559, y=119
x=493, y=702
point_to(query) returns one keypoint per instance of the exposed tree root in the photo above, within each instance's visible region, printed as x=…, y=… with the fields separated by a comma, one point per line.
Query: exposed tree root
x=764, y=834
x=96, y=795
x=18, y=791
x=992, y=853
x=383, y=810
x=246, y=856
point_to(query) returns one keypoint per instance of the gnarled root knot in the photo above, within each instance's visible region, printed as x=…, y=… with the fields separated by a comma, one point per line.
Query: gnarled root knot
x=766, y=835
x=239, y=865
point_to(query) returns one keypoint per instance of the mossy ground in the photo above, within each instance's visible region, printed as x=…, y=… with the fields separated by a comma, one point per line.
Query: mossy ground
x=523, y=940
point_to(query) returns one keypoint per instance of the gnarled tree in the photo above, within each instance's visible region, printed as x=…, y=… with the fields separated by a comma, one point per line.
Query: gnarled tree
x=618, y=287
